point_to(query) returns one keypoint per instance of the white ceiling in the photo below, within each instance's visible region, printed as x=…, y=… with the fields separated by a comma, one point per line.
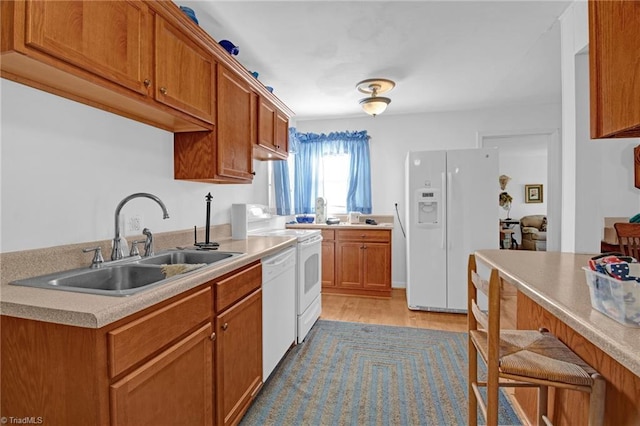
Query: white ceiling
x=443, y=55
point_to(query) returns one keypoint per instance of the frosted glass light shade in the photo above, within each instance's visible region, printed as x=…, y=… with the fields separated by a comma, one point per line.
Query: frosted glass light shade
x=374, y=105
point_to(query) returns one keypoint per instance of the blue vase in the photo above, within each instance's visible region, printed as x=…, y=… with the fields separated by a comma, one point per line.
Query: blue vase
x=190, y=13
x=229, y=47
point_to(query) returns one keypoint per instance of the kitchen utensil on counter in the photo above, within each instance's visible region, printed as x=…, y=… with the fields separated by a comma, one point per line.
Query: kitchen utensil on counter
x=207, y=244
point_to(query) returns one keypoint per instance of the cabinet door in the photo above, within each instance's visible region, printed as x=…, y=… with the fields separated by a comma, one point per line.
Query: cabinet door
x=185, y=72
x=236, y=126
x=266, y=125
x=173, y=388
x=349, y=264
x=377, y=266
x=238, y=357
x=111, y=39
x=328, y=264
x=614, y=48
x=282, y=134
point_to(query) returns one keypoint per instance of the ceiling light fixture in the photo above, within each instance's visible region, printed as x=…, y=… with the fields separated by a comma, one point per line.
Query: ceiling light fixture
x=375, y=104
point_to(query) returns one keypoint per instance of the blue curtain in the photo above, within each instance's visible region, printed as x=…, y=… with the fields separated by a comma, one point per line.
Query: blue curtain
x=281, y=179
x=311, y=148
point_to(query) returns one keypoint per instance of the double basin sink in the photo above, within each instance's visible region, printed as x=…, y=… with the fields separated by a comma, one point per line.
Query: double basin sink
x=131, y=275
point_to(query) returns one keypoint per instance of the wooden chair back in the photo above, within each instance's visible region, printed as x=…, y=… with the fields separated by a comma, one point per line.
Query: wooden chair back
x=629, y=238
x=489, y=321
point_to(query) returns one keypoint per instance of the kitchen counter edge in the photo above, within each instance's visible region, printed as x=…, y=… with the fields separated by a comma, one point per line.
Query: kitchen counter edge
x=96, y=311
x=557, y=283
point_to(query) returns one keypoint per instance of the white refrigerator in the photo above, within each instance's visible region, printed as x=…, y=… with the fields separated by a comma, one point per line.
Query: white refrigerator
x=451, y=211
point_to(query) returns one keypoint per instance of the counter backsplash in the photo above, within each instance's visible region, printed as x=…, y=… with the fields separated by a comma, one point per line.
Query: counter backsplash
x=28, y=263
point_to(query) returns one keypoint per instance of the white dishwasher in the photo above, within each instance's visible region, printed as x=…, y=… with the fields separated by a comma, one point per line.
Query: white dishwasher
x=279, y=314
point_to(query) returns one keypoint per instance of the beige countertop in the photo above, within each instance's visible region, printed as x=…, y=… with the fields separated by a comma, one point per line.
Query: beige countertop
x=342, y=225
x=93, y=311
x=557, y=282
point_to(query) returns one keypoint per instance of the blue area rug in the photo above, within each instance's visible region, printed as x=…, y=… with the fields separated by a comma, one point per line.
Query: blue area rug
x=362, y=374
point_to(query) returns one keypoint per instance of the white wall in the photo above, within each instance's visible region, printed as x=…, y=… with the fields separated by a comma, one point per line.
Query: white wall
x=597, y=175
x=66, y=166
x=393, y=135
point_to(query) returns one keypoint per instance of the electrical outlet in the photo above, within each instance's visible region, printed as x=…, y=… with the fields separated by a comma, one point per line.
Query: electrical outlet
x=133, y=224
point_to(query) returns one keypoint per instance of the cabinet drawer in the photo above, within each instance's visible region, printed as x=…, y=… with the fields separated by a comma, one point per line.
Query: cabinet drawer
x=236, y=286
x=133, y=342
x=328, y=234
x=363, y=235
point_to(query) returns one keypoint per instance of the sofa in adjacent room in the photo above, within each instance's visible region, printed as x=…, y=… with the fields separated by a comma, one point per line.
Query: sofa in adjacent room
x=534, y=232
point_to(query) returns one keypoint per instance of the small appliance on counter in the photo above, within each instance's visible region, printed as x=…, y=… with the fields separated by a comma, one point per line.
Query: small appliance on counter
x=333, y=221
x=354, y=217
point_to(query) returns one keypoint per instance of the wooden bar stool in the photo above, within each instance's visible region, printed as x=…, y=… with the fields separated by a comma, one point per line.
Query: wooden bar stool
x=629, y=238
x=520, y=358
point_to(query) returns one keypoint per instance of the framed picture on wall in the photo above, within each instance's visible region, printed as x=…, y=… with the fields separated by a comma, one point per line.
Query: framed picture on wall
x=533, y=193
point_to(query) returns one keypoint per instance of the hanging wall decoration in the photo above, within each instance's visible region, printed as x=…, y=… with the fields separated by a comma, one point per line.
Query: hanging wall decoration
x=533, y=193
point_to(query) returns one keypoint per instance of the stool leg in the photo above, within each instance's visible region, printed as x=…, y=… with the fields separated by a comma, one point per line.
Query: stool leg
x=597, y=401
x=473, y=378
x=542, y=404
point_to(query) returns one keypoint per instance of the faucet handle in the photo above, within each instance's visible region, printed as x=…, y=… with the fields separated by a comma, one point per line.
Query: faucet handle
x=97, y=260
x=134, y=248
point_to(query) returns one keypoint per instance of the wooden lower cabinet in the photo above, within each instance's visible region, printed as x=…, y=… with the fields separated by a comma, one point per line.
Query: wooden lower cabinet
x=357, y=262
x=328, y=258
x=239, y=357
x=173, y=388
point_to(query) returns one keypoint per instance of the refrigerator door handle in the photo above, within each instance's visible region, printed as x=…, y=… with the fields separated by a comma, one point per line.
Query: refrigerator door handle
x=443, y=221
x=449, y=189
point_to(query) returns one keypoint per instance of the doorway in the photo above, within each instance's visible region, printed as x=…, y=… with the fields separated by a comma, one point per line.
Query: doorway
x=531, y=157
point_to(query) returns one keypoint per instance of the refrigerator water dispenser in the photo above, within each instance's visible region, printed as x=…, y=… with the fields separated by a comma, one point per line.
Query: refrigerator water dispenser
x=428, y=211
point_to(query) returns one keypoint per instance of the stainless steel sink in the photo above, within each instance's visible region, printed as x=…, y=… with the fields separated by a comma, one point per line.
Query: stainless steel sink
x=186, y=256
x=125, y=277
x=115, y=278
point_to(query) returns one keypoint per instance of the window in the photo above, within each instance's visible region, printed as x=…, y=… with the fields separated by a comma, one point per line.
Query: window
x=334, y=166
x=335, y=169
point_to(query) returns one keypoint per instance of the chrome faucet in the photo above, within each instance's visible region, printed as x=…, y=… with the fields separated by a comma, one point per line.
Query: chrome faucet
x=117, y=253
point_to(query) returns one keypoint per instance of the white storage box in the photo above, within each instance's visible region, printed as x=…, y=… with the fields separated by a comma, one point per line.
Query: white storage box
x=617, y=299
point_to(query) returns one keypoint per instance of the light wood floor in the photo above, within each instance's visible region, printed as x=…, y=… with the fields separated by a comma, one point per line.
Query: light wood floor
x=394, y=311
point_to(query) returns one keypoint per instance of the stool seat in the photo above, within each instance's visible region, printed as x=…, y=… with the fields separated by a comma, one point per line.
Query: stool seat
x=535, y=354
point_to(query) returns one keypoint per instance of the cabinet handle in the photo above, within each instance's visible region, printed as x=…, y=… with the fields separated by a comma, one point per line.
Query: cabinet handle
x=163, y=90
x=253, y=173
x=147, y=82
x=213, y=336
x=225, y=325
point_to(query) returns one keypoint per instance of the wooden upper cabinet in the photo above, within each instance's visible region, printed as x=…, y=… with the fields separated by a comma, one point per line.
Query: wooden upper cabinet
x=110, y=38
x=223, y=155
x=185, y=72
x=273, y=132
x=614, y=64
x=236, y=126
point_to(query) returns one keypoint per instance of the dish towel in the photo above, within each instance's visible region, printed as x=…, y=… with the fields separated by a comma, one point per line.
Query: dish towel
x=180, y=268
